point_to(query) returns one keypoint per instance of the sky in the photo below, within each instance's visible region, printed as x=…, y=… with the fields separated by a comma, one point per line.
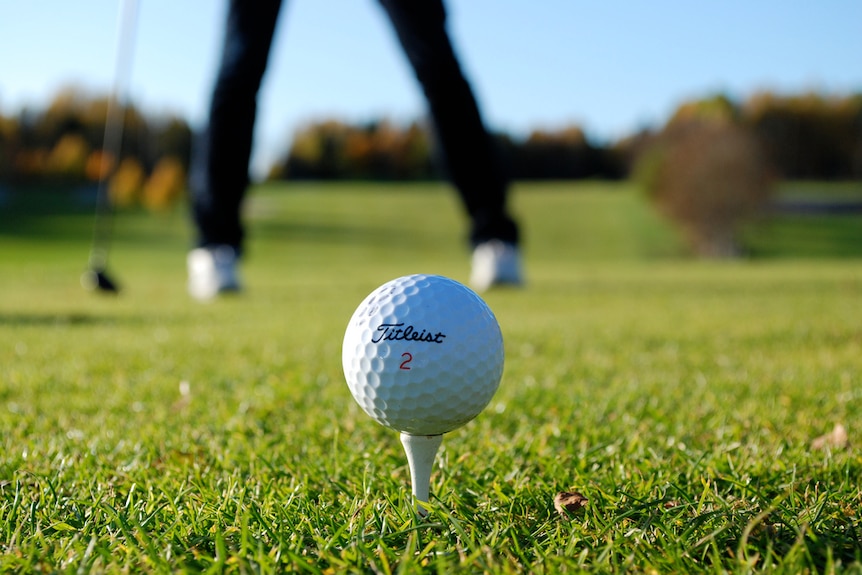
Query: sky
x=611, y=67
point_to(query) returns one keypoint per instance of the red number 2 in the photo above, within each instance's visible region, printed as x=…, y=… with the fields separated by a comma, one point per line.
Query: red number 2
x=405, y=364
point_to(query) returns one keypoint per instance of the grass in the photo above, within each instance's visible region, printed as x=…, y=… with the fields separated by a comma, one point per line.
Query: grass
x=150, y=433
x=811, y=235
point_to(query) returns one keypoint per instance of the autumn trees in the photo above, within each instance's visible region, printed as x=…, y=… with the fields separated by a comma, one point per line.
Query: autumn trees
x=804, y=136
x=62, y=145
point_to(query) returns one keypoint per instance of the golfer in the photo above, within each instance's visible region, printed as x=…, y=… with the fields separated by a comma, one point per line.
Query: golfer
x=219, y=174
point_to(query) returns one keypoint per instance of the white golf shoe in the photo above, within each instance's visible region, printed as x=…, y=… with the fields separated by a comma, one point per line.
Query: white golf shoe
x=495, y=263
x=212, y=271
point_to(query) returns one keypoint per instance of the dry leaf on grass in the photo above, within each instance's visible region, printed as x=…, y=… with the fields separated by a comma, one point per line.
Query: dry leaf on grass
x=569, y=503
x=836, y=439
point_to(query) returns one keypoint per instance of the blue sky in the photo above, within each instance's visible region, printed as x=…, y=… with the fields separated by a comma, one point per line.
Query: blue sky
x=610, y=66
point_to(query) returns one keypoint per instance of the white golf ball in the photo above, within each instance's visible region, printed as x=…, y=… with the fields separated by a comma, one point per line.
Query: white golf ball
x=423, y=354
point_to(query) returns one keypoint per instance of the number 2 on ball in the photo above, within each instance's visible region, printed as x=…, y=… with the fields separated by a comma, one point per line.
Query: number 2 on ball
x=408, y=357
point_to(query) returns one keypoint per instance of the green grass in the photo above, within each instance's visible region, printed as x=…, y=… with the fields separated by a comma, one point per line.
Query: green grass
x=810, y=235
x=150, y=433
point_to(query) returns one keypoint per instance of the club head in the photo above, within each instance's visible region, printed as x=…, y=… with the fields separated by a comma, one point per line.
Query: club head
x=97, y=280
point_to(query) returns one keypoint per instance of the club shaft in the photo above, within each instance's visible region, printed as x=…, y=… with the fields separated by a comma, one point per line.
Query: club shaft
x=112, y=141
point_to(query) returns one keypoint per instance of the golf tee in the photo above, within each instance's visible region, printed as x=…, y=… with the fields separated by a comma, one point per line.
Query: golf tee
x=421, y=451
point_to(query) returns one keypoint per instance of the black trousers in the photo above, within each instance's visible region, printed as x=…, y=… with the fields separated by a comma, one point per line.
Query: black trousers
x=219, y=174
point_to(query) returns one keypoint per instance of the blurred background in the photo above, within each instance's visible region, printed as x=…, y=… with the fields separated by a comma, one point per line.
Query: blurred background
x=675, y=97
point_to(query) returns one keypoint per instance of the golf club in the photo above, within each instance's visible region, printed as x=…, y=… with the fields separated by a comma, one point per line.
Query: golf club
x=96, y=277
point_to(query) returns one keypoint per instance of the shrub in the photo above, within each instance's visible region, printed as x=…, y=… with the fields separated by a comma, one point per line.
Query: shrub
x=707, y=176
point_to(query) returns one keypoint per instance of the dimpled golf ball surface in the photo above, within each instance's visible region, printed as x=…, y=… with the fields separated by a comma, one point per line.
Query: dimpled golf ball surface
x=423, y=354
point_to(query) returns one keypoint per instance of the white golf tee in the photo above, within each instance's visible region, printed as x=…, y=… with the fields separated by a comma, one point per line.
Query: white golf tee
x=421, y=451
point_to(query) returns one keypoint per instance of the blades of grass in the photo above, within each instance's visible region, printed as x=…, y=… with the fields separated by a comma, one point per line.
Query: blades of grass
x=135, y=535
x=220, y=558
x=86, y=561
x=12, y=516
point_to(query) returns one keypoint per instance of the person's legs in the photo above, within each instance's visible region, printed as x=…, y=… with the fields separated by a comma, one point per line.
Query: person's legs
x=469, y=153
x=219, y=174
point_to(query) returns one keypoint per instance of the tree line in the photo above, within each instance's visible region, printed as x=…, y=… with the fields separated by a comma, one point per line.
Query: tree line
x=804, y=136
x=62, y=145
x=807, y=136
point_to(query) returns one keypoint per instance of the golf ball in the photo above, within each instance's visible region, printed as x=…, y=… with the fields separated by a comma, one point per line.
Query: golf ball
x=423, y=354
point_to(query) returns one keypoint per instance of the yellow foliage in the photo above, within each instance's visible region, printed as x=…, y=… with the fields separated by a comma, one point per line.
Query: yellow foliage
x=126, y=183
x=165, y=185
x=9, y=128
x=69, y=156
